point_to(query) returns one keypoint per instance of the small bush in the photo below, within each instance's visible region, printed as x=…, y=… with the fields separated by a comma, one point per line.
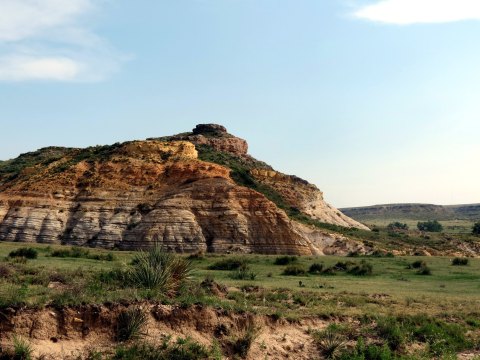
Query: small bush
x=460, y=261
x=244, y=273
x=228, y=264
x=397, y=226
x=389, y=330
x=417, y=264
x=27, y=253
x=424, y=270
x=294, y=270
x=476, y=229
x=285, y=260
x=78, y=252
x=364, y=269
x=315, y=268
x=130, y=324
x=430, y=226
x=5, y=271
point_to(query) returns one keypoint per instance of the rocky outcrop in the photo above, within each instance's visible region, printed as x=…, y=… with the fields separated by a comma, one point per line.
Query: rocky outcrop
x=215, y=136
x=130, y=195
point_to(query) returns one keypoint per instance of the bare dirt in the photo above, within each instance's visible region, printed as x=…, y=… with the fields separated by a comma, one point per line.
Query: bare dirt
x=68, y=333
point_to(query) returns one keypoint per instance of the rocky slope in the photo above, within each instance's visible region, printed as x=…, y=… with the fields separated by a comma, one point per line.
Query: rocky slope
x=197, y=191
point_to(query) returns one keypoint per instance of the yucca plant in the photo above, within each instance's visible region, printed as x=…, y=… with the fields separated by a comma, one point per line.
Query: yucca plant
x=330, y=343
x=156, y=269
x=130, y=324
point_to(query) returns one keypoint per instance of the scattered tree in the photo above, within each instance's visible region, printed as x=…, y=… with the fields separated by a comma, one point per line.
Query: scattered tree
x=397, y=226
x=476, y=229
x=430, y=226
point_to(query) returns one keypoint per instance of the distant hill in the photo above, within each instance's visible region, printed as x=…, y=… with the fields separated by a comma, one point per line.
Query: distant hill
x=470, y=212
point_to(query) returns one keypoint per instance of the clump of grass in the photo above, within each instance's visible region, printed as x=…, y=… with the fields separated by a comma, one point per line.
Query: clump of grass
x=424, y=270
x=22, y=350
x=130, y=324
x=199, y=255
x=330, y=343
x=285, y=260
x=182, y=349
x=364, y=269
x=5, y=271
x=243, y=273
x=421, y=266
x=417, y=264
x=241, y=346
x=27, y=253
x=389, y=330
x=78, y=252
x=315, y=268
x=460, y=261
x=159, y=270
x=13, y=295
x=228, y=264
x=295, y=270
x=370, y=352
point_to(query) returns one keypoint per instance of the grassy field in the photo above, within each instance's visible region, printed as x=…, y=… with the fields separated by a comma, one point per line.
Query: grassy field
x=449, y=226
x=390, y=288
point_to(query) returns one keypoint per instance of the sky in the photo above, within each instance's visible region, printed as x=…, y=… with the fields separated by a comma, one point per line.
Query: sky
x=373, y=101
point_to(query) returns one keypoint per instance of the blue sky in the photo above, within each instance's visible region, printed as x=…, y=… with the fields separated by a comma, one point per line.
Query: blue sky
x=373, y=101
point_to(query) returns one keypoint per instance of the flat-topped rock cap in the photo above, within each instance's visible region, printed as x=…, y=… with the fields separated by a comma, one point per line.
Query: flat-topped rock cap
x=209, y=129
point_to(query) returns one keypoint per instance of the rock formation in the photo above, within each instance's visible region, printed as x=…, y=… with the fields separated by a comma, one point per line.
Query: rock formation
x=129, y=195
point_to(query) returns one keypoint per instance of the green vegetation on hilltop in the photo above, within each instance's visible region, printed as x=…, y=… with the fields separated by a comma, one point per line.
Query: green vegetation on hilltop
x=66, y=158
x=11, y=169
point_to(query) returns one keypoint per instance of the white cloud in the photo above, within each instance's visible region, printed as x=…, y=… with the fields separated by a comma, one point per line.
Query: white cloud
x=406, y=12
x=19, y=68
x=48, y=40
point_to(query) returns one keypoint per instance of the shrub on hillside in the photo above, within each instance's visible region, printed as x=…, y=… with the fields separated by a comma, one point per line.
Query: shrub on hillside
x=364, y=269
x=417, y=264
x=315, y=268
x=285, y=260
x=430, y=226
x=294, y=270
x=79, y=252
x=27, y=253
x=243, y=273
x=228, y=264
x=397, y=226
x=460, y=261
x=476, y=229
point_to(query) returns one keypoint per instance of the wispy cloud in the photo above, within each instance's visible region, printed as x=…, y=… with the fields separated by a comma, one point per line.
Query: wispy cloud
x=406, y=12
x=51, y=40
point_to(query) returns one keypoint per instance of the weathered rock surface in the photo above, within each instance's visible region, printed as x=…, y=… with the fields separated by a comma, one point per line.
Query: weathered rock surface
x=130, y=195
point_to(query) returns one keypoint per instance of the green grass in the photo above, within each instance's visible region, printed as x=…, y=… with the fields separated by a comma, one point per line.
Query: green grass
x=393, y=303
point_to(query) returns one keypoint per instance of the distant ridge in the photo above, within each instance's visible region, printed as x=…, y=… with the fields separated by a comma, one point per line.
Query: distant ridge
x=414, y=211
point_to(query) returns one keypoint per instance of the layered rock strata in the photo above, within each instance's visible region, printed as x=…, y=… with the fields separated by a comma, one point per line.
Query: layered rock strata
x=130, y=195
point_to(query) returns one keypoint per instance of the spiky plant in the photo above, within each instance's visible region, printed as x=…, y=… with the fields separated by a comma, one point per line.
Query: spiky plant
x=330, y=343
x=131, y=324
x=156, y=269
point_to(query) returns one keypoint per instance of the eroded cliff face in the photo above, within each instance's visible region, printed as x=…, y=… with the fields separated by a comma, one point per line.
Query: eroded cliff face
x=130, y=195
x=305, y=197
